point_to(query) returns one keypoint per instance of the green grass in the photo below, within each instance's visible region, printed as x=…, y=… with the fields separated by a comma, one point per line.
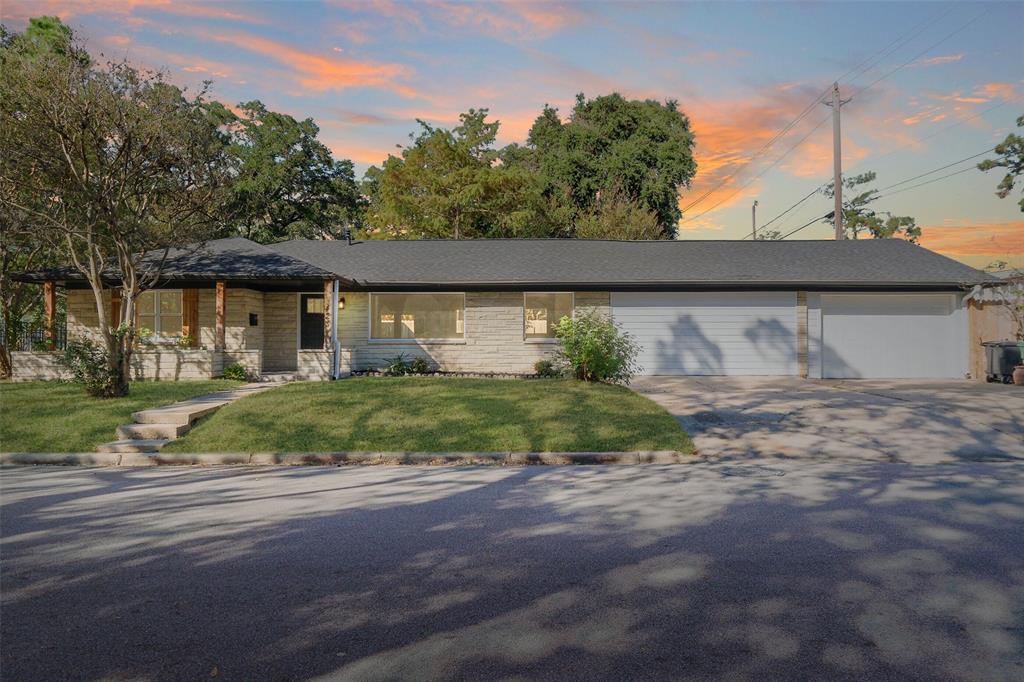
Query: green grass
x=47, y=416
x=438, y=415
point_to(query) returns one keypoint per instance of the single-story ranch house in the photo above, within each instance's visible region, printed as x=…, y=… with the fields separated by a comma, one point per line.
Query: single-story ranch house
x=820, y=309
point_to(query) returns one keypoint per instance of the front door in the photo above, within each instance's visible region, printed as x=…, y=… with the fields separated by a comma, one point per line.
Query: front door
x=311, y=321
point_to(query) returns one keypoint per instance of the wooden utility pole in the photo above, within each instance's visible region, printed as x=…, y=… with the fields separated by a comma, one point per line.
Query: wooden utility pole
x=753, y=219
x=837, y=158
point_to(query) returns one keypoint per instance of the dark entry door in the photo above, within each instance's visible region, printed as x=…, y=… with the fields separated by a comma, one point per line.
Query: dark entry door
x=311, y=321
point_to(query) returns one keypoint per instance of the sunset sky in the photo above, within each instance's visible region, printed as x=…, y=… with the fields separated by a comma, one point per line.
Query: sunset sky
x=950, y=84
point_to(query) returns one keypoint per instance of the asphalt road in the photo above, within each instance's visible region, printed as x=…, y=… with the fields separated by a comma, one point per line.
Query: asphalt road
x=740, y=571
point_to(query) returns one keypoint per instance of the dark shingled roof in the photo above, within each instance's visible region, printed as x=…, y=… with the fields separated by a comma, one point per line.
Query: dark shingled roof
x=640, y=264
x=235, y=258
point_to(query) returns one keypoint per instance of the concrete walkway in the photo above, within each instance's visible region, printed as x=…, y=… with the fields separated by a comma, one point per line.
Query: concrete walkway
x=154, y=428
x=868, y=420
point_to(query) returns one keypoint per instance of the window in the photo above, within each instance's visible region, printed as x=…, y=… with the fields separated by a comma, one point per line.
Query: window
x=160, y=312
x=417, y=316
x=542, y=311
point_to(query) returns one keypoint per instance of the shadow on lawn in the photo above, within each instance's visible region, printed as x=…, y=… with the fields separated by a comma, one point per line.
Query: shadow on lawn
x=479, y=573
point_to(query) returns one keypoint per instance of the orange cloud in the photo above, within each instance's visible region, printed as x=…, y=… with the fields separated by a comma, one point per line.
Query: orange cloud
x=942, y=59
x=321, y=72
x=988, y=240
x=21, y=10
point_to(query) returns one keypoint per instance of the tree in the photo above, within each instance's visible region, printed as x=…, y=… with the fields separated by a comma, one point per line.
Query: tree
x=769, y=235
x=288, y=185
x=1011, y=152
x=641, y=151
x=859, y=218
x=615, y=216
x=114, y=166
x=450, y=184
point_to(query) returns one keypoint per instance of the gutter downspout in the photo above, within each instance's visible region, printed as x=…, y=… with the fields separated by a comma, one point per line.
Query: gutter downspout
x=336, y=359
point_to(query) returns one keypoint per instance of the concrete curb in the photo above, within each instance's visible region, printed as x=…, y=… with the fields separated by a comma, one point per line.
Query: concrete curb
x=343, y=458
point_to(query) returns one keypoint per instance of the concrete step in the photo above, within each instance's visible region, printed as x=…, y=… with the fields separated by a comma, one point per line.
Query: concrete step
x=276, y=377
x=148, y=445
x=177, y=414
x=151, y=431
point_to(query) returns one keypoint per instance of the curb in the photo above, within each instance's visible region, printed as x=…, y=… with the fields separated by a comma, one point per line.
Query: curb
x=342, y=458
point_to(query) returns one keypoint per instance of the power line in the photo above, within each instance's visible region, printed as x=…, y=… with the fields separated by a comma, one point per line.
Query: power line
x=816, y=220
x=813, y=192
x=941, y=168
x=749, y=182
x=928, y=182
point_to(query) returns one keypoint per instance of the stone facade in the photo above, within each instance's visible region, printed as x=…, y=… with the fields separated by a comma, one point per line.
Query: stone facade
x=494, y=338
x=37, y=366
x=494, y=335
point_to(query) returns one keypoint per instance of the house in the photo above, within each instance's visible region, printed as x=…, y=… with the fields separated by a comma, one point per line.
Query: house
x=316, y=309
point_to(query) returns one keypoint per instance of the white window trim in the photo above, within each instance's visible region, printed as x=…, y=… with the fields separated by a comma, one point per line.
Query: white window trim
x=413, y=342
x=158, y=335
x=546, y=339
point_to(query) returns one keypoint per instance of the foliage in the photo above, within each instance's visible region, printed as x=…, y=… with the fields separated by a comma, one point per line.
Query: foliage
x=859, y=218
x=639, y=151
x=442, y=414
x=88, y=365
x=236, y=371
x=286, y=184
x=396, y=366
x=113, y=166
x=420, y=366
x=1011, y=153
x=547, y=368
x=595, y=349
x=769, y=235
x=616, y=216
x=448, y=184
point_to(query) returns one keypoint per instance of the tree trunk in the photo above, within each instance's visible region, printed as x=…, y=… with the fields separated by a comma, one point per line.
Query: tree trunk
x=6, y=368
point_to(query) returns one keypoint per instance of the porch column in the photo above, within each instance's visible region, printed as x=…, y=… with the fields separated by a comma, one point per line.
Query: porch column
x=328, y=314
x=50, y=310
x=222, y=288
x=190, y=315
x=115, y=308
x=801, y=334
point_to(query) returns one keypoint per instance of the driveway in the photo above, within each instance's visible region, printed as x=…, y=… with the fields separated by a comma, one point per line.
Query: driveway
x=887, y=420
x=797, y=570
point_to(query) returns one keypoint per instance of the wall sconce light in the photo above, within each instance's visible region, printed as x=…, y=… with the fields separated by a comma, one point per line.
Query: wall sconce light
x=341, y=303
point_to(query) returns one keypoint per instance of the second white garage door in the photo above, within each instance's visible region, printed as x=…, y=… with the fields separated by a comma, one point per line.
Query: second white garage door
x=731, y=333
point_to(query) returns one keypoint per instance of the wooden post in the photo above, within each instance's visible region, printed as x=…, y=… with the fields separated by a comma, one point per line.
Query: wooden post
x=50, y=310
x=328, y=313
x=801, y=334
x=190, y=315
x=115, y=308
x=218, y=342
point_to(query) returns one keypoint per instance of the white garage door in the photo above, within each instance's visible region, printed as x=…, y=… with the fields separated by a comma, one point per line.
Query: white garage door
x=892, y=336
x=711, y=332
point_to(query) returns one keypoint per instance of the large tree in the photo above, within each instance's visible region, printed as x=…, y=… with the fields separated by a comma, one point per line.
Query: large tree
x=450, y=184
x=859, y=218
x=638, y=151
x=1011, y=157
x=287, y=183
x=113, y=166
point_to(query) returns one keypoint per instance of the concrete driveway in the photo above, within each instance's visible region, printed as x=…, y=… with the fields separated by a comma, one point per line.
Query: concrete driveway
x=888, y=420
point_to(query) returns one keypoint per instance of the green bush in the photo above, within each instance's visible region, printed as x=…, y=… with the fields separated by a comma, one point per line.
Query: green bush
x=88, y=365
x=420, y=366
x=595, y=349
x=236, y=371
x=546, y=368
x=396, y=366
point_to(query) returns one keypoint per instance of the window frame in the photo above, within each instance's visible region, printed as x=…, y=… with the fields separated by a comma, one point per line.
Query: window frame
x=370, y=338
x=546, y=339
x=158, y=334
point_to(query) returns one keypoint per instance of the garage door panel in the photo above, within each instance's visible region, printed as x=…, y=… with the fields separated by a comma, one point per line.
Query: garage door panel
x=711, y=332
x=889, y=336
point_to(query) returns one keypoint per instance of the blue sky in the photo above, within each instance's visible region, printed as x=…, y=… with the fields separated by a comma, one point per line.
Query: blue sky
x=952, y=85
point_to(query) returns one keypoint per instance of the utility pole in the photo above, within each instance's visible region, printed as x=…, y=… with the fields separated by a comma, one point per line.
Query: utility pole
x=753, y=219
x=837, y=157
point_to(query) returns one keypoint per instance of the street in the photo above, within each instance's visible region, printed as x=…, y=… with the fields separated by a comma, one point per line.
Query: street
x=768, y=569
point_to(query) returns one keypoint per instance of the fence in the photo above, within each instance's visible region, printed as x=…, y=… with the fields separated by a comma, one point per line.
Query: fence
x=35, y=339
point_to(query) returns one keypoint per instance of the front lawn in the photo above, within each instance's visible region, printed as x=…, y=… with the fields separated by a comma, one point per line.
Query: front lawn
x=47, y=416
x=438, y=415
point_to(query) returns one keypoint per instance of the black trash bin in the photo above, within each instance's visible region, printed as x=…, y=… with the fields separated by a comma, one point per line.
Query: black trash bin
x=1000, y=359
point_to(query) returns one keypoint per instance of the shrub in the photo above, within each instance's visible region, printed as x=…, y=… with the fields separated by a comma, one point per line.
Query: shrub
x=89, y=366
x=419, y=366
x=595, y=349
x=546, y=368
x=396, y=366
x=236, y=371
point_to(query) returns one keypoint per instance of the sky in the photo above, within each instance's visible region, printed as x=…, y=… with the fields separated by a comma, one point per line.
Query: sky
x=930, y=84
